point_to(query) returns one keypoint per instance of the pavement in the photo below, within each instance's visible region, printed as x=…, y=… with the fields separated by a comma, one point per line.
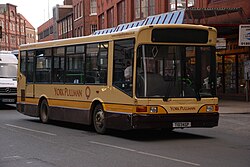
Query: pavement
x=234, y=107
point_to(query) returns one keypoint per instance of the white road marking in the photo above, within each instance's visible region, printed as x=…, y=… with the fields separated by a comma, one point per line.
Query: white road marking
x=108, y=145
x=32, y=130
x=12, y=157
x=145, y=153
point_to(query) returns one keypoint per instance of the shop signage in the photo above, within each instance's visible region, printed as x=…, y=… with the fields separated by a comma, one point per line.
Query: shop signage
x=221, y=43
x=244, y=35
x=247, y=70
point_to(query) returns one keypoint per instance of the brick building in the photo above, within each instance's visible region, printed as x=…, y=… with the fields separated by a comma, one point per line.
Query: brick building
x=85, y=20
x=65, y=21
x=30, y=32
x=72, y=19
x=16, y=29
x=45, y=31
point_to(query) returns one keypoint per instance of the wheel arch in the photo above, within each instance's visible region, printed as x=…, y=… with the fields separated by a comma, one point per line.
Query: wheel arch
x=95, y=102
x=39, y=103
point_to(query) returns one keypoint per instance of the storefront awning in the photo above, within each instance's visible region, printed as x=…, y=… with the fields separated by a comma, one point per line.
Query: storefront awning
x=211, y=15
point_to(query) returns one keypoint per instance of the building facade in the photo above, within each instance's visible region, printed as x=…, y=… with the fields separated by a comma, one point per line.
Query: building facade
x=16, y=30
x=225, y=15
x=85, y=17
x=74, y=18
x=45, y=31
x=64, y=20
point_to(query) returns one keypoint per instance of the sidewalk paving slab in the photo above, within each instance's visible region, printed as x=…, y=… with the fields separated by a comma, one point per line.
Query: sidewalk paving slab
x=234, y=107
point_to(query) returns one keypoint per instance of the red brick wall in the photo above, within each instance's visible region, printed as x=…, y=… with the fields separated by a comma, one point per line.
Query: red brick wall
x=43, y=27
x=245, y=4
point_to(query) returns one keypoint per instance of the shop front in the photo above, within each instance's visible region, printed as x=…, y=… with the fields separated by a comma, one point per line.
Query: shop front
x=231, y=58
x=231, y=73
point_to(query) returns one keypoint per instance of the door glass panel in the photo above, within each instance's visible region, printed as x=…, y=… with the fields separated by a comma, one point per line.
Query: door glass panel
x=230, y=74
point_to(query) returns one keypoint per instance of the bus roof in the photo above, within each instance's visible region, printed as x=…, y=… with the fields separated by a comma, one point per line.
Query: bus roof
x=128, y=33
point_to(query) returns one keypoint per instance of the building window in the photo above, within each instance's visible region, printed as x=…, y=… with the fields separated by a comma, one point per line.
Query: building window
x=144, y=8
x=60, y=28
x=12, y=14
x=81, y=9
x=93, y=28
x=137, y=9
x=101, y=21
x=2, y=24
x=110, y=17
x=78, y=10
x=180, y=4
x=122, y=12
x=74, y=12
x=70, y=23
x=51, y=29
x=22, y=28
x=93, y=7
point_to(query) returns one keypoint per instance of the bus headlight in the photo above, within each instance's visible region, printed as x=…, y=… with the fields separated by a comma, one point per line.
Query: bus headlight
x=153, y=109
x=210, y=109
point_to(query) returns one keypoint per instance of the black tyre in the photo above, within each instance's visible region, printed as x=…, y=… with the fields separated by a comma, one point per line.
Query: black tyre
x=99, y=119
x=44, y=112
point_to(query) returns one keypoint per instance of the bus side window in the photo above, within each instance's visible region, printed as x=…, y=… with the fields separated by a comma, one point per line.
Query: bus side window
x=102, y=62
x=23, y=62
x=123, y=65
x=96, y=63
x=74, y=66
x=58, y=65
x=30, y=66
x=43, y=65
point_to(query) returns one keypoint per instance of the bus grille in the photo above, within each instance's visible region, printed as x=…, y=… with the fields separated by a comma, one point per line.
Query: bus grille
x=8, y=90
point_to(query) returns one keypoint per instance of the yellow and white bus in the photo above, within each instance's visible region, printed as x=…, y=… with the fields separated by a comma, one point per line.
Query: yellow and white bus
x=155, y=76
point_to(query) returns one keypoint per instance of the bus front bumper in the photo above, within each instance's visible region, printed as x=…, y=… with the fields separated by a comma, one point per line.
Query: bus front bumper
x=167, y=121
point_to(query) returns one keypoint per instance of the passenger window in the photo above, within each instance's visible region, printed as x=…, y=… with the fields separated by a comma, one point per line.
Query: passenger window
x=58, y=65
x=30, y=66
x=74, y=66
x=96, y=63
x=123, y=65
x=43, y=65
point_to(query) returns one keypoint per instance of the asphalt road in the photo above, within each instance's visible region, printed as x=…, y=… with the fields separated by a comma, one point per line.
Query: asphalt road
x=25, y=142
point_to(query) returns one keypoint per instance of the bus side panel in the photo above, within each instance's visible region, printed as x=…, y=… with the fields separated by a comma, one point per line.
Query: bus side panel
x=118, y=121
x=70, y=115
x=28, y=109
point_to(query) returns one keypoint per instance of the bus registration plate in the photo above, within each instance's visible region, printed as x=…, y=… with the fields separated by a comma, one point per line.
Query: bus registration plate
x=181, y=124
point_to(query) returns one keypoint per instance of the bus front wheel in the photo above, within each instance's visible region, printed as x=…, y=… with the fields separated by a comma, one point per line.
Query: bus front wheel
x=99, y=119
x=44, y=111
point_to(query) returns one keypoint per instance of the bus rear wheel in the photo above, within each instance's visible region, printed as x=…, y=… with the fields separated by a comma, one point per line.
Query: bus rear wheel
x=44, y=112
x=99, y=119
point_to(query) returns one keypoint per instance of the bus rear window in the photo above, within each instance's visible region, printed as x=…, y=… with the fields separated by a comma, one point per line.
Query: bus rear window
x=179, y=35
